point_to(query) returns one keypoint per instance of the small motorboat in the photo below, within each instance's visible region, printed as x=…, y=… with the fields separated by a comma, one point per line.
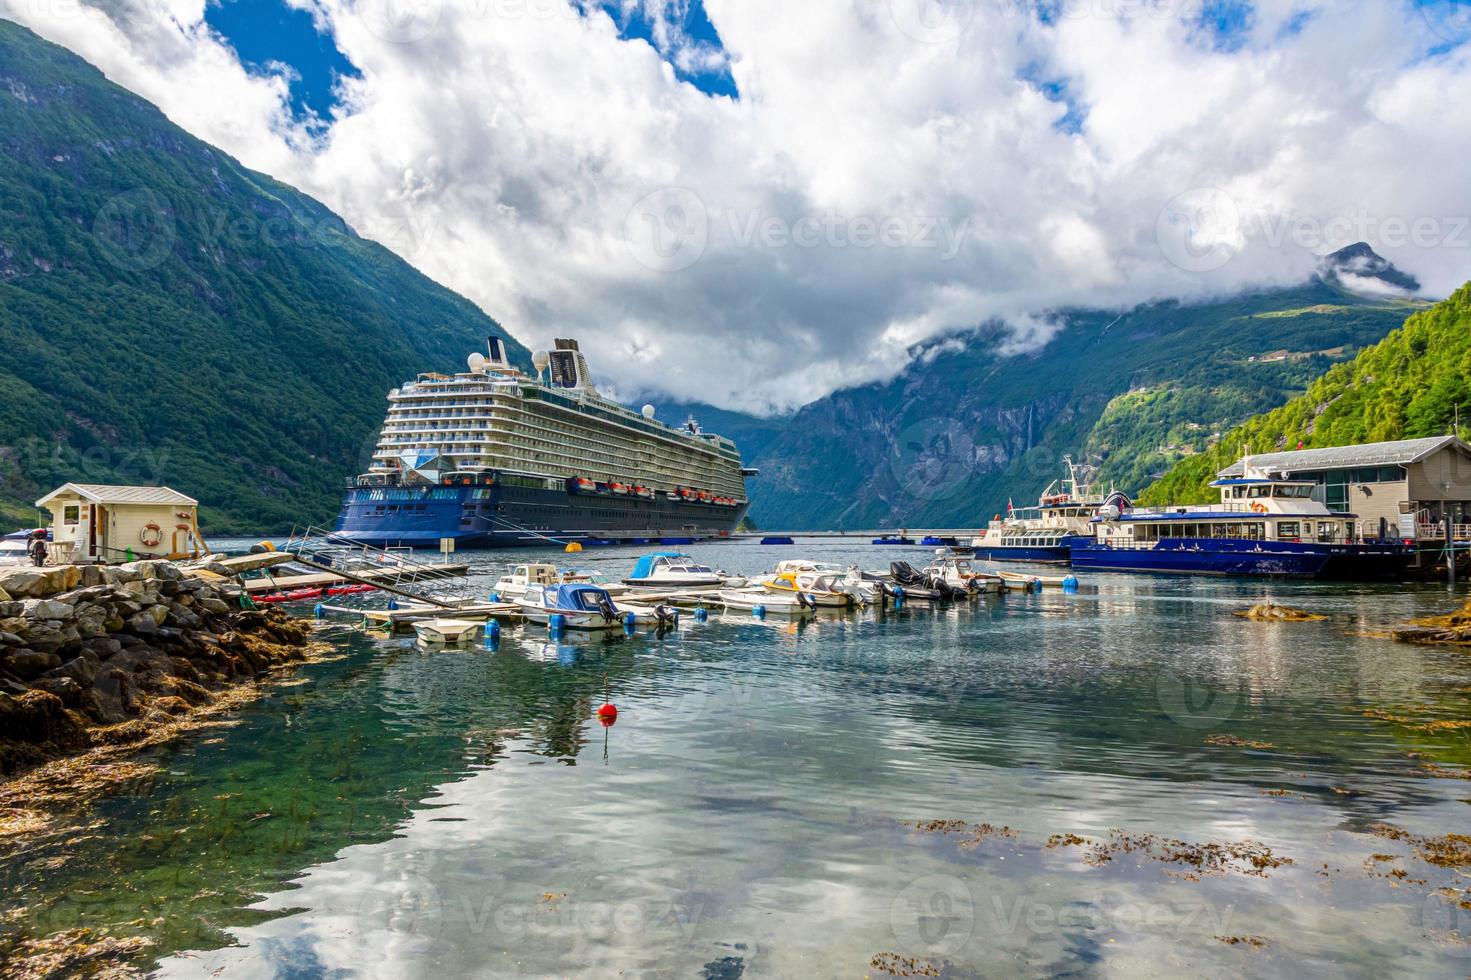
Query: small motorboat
x=674, y=570
x=588, y=607
x=893, y=540
x=1036, y=583
x=447, y=632
x=765, y=603
x=513, y=585
x=958, y=574
x=818, y=588
x=911, y=584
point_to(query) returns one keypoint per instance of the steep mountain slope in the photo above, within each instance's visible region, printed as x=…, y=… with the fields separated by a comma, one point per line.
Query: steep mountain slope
x=1414, y=383
x=170, y=316
x=961, y=431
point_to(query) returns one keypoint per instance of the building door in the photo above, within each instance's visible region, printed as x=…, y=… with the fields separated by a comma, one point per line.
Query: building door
x=99, y=532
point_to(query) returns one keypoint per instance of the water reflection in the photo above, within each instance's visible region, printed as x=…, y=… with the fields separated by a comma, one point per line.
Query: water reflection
x=752, y=809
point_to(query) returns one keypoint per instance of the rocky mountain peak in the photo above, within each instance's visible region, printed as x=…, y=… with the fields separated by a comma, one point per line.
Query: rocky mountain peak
x=1359, y=268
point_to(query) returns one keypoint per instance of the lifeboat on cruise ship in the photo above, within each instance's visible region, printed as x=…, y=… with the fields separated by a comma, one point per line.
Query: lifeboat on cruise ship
x=643, y=492
x=618, y=488
x=687, y=494
x=704, y=497
x=585, y=485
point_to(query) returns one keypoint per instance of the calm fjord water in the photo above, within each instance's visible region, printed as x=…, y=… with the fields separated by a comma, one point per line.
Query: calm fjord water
x=399, y=813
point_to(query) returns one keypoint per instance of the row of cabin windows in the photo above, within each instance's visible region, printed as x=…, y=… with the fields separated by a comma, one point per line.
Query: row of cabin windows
x=1271, y=490
x=1286, y=531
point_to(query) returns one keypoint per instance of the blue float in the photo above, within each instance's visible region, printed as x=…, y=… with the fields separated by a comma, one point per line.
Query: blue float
x=556, y=622
x=319, y=610
x=758, y=611
x=701, y=614
x=1070, y=584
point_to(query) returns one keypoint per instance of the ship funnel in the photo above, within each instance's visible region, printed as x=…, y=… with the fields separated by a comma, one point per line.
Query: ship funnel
x=498, y=359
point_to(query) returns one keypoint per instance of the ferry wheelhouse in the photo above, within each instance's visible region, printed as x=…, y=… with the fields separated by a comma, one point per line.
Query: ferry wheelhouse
x=1261, y=527
x=1046, y=533
x=492, y=457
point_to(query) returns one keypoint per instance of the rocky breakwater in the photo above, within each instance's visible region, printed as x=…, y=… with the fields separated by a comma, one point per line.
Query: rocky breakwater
x=110, y=656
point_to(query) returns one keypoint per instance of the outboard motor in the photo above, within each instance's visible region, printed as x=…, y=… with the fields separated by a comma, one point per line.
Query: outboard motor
x=904, y=573
x=605, y=606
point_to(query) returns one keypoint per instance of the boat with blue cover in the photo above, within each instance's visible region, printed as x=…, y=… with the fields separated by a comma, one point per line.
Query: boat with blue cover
x=674, y=570
x=587, y=608
x=1262, y=527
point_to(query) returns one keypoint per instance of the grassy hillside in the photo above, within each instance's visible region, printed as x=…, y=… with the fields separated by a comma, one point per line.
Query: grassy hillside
x=958, y=434
x=168, y=316
x=1407, y=386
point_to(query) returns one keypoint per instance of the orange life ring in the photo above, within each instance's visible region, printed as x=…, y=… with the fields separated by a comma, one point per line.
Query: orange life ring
x=151, y=535
x=1259, y=508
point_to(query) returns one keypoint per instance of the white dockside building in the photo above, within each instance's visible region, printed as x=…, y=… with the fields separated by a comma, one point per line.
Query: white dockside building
x=1411, y=485
x=95, y=523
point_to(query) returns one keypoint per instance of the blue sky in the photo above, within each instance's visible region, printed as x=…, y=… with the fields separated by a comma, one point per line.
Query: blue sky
x=267, y=34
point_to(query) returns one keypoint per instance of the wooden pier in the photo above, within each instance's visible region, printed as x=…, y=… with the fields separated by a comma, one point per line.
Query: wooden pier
x=326, y=579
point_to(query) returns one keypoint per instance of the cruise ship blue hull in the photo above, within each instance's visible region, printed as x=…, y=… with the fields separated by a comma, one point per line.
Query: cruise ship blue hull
x=1230, y=556
x=505, y=516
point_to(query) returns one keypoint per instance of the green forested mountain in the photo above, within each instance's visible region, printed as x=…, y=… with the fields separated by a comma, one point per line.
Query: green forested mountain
x=169, y=316
x=1413, y=383
x=959, y=433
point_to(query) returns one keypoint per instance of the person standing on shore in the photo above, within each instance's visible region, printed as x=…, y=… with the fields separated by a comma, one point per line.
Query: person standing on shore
x=38, y=549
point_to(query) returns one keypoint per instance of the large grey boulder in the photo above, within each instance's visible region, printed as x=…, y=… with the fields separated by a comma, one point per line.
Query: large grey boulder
x=82, y=669
x=30, y=663
x=47, y=609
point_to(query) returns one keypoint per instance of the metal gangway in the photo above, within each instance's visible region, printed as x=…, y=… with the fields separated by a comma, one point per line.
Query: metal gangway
x=393, y=570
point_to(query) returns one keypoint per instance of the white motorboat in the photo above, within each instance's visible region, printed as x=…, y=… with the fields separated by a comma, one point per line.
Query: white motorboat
x=447, y=632
x=673, y=570
x=768, y=603
x=959, y=574
x=513, y=585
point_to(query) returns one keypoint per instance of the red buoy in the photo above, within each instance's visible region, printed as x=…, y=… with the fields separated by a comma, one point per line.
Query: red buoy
x=608, y=714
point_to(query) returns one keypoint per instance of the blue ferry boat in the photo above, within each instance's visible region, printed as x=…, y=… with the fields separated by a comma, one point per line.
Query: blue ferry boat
x=1262, y=527
x=492, y=457
x=1044, y=534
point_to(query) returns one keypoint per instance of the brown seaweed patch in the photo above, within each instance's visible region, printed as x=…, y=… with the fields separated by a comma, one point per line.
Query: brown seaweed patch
x=1255, y=942
x=1461, y=898
x=1209, y=859
x=74, y=953
x=1269, y=612
x=1446, y=851
x=1442, y=772
x=1065, y=840
x=1234, y=742
x=1397, y=876
x=903, y=966
x=974, y=833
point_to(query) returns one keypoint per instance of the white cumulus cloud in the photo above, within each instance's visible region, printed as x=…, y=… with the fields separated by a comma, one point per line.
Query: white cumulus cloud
x=893, y=170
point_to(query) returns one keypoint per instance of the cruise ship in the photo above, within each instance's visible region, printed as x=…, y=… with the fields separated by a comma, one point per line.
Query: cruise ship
x=492, y=457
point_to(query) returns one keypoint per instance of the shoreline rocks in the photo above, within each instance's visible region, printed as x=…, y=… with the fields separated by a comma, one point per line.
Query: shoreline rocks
x=1453, y=629
x=1268, y=611
x=90, y=654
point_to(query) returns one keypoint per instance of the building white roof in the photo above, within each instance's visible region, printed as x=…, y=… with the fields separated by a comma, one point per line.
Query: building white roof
x=1400, y=453
x=98, y=493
